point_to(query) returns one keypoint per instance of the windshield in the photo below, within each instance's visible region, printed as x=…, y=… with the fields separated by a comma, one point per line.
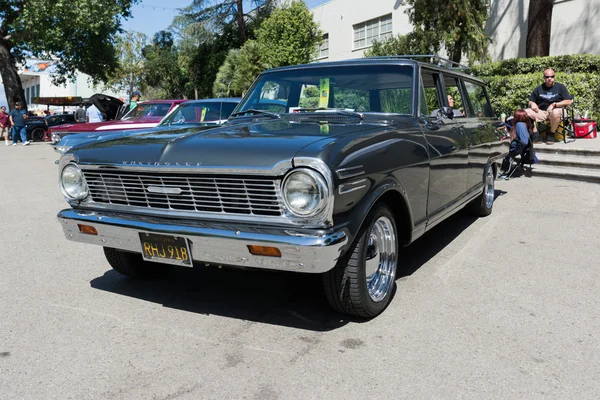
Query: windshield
x=197, y=113
x=360, y=88
x=148, y=110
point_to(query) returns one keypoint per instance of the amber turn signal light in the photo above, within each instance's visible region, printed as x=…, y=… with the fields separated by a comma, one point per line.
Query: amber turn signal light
x=264, y=251
x=87, y=229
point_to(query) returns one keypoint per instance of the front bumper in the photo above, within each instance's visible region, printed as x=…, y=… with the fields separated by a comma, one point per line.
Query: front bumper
x=220, y=243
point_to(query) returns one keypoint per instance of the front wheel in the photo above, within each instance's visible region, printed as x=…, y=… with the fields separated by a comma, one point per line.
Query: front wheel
x=362, y=281
x=38, y=134
x=129, y=264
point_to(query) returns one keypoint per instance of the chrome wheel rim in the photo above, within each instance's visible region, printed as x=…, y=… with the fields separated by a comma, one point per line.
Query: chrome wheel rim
x=380, y=260
x=489, y=188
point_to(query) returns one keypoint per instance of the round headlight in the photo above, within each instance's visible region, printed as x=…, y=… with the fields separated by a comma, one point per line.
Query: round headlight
x=305, y=192
x=72, y=183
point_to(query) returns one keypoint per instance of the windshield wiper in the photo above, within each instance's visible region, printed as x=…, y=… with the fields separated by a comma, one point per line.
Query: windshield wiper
x=253, y=111
x=337, y=111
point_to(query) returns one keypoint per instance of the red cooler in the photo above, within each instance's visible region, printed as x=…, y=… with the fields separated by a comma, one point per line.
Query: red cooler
x=585, y=129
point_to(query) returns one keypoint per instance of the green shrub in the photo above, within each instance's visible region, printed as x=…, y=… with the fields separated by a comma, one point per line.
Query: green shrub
x=560, y=64
x=510, y=82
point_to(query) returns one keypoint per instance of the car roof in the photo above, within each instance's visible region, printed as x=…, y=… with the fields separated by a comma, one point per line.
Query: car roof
x=220, y=99
x=176, y=101
x=391, y=60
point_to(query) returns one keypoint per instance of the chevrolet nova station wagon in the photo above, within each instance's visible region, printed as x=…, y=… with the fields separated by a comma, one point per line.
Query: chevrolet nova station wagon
x=324, y=168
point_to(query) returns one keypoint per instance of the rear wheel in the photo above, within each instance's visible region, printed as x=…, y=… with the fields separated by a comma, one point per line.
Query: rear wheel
x=483, y=204
x=37, y=135
x=362, y=281
x=129, y=264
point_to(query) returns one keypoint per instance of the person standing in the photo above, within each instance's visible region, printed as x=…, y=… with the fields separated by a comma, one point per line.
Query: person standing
x=80, y=114
x=135, y=97
x=17, y=120
x=546, y=102
x=4, y=124
x=93, y=114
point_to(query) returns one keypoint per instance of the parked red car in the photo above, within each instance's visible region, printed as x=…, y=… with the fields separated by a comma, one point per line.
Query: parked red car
x=146, y=114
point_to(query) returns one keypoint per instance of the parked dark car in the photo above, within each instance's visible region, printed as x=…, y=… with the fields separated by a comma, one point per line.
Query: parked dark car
x=206, y=113
x=36, y=127
x=323, y=168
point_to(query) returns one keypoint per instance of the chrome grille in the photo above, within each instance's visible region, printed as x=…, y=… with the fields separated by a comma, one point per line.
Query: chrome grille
x=187, y=192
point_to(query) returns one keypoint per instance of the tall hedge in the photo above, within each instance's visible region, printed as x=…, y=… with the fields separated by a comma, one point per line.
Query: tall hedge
x=510, y=82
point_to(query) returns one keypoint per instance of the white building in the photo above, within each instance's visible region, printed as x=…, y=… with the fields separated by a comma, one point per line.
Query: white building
x=350, y=26
x=36, y=81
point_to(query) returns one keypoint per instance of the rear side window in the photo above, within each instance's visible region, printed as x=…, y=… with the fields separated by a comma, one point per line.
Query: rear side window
x=479, y=101
x=430, y=105
x=454, y=96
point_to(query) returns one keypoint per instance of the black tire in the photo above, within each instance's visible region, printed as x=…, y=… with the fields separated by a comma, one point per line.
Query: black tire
x=37, y=135
x=346, y=285
x=129, y=264
x=482, y=206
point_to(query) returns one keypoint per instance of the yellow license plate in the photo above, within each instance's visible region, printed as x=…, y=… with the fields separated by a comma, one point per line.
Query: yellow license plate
x=166, y=249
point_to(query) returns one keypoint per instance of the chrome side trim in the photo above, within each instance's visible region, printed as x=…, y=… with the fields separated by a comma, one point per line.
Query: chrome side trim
x=302, y=250
x=350, y=172
x=352, y=186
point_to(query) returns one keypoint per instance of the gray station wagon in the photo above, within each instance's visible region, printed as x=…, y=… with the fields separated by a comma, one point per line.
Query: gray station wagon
x=324, y=168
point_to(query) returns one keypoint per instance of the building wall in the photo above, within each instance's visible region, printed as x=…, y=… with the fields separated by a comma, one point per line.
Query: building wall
x=337, y=18
x=574, y=25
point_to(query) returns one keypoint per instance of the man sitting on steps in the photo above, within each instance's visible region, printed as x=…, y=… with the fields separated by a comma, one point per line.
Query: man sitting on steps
x=546, y=102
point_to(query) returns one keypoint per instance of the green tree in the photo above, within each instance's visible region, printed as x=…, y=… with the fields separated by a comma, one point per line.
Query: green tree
x=455, y=25
x=79, y=33
x=289, y=36
x=412, y=43
x=225, y=13
x=240, y=69
x=130, y=70
x=223, y=82
x=204, y=46
x=162, y=68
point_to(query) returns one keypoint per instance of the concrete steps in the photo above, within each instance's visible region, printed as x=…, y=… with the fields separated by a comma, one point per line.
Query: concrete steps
x=578, y=160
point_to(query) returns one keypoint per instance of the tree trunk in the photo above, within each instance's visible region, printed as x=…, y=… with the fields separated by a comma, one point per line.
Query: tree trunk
x=457, y=52
x=241, y=22
x=539, y=25
x=10, y=77
x=130, y=86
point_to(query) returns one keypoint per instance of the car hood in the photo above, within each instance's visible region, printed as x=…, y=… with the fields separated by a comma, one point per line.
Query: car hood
x=134, y=123
x=107, y=104
x=260, y=146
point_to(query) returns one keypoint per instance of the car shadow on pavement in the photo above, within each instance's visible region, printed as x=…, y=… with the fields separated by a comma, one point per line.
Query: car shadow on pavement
x=278, y=298
x=434, y=241
x=286, y=299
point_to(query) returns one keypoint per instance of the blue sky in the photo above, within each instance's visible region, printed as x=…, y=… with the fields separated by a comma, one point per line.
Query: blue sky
x=151, y=16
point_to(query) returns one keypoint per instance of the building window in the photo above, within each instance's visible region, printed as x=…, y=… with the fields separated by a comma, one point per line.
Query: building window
x=324, y=48
x=379, y=29
x=27, y=95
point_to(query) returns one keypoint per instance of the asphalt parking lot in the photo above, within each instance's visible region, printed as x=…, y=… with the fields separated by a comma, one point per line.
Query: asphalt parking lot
x=504, y=307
